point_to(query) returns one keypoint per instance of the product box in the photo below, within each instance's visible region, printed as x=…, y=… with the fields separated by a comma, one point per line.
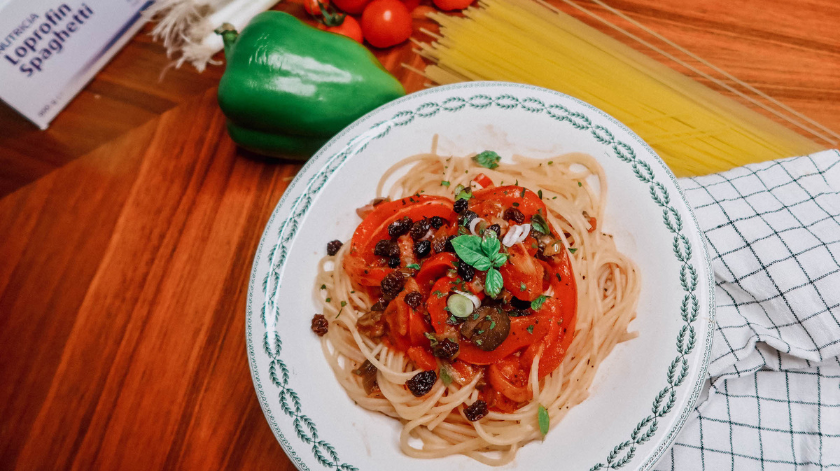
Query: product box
x=49, y=49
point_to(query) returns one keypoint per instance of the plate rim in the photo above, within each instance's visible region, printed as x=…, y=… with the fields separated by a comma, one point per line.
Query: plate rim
x=319, y=157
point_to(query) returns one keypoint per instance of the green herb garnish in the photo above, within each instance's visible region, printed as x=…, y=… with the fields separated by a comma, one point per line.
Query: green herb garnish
x=522, y=287
x=530, y=329
x=444, y=377
x=572, y=250
x=323, y=286
x=444, y=183
x=488, y=159
x=538, y=224
x=543, y=419
x=537, y=303
x=414, y=266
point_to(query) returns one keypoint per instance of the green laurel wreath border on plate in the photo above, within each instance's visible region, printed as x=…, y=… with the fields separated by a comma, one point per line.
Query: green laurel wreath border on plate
x=624, y=452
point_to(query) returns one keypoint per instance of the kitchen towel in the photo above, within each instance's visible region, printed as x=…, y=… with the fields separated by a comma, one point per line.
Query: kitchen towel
x=773, y=233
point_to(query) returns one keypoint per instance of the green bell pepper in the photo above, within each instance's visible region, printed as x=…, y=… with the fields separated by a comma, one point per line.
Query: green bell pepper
x=288, y=87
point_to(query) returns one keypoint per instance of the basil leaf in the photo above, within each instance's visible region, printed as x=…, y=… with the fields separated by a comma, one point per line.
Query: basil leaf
x=499, y=259
x=537, y=303
x=494, y=282
x=488, y=159
x=490, y=245
x=483, y=264
x=468, y=247
x=538, y=224
x=542, y=417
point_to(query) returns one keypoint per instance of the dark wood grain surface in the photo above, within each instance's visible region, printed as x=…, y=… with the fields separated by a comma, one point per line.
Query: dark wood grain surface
x=127, y=232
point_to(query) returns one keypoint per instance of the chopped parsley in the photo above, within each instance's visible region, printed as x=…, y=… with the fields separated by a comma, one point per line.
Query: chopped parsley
x=550, y=162
x=329, y=299
x=444, y=376
x=444, y=183
x=440, y=295
x=530, y=329
x=572, y=250
x=323, y=286
x=522, y=287
x=539, y=193
x=580, y=184
x=414, y=266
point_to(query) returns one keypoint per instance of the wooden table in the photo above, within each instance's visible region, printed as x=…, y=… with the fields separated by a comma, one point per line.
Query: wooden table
x=128, y=230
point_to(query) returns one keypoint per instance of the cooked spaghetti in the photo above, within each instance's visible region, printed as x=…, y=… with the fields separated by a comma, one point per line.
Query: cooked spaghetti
x=476, y=300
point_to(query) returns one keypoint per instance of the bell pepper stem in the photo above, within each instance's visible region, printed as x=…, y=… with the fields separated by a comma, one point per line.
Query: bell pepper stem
x=229, y=34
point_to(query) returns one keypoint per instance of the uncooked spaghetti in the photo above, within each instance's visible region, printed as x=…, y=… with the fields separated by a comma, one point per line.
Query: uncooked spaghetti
x=452, y=393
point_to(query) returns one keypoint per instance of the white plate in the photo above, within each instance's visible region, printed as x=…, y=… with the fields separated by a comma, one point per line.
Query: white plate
x=642, y=393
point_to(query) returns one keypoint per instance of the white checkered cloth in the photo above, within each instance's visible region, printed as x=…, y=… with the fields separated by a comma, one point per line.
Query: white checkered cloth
x=774, y=390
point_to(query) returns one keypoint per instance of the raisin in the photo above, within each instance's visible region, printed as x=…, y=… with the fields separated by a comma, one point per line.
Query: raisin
x=446, y=349
x=332, y=247
x=392, y=284
x=517, y=313
x=497, y=229
x=444, y=244
x=414, y=299
x=465, y=271
x=387, y=248
x=419, y=229
x=449, y=247
x=514, y=214
x=461, y=205
x=476, y=411
x=422, y=248
x=399, y=227
x=320, y=325
x=394, y=262
x=422, y=383
x=437, y=222
x=468, y=216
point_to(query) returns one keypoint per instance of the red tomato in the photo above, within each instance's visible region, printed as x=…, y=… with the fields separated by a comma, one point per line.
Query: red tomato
x=493, y=201
x=360, y=263
x=354, y=7
x=523, y=270
x=519, y=337
x=483, y=180
x=433, y=268
x=312, y=6
x=386, y=23
x=422, y=358
x=411, y=4
x=349, y=27
x=448, y=5
x=510, y=379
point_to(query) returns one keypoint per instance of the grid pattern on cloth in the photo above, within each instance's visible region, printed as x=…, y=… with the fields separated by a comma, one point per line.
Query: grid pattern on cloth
x=773, y=233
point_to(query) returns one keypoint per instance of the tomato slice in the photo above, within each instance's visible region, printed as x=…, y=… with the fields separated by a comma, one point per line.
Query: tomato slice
x=422, y=358
x=495, y=200
x=560, y=319
x=361, y=264
x=510, y=379
x=436, y=305
x=483, y=180
x=522, y=271
x=433, y=268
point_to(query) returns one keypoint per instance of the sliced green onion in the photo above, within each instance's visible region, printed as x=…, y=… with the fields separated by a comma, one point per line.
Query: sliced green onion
x=460, y=305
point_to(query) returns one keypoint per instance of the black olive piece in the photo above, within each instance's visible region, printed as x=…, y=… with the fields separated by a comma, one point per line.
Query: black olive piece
x=448, y=247
x=514, y=214
x=460, y=205
x=422, y=248
x=394, y=262
x=392, y=284
x=437, y=222
x=386, y=248
x=422, y=383
x=495, y=228
x=320, y=325
x=517, y=313
x=520, y=304
x=476, y=411
x=466, y=272
x=486, y=328
x=332, y=247
x=419, y=229
x=446, y=349
x=399, y=227
x=414, y=299
x=467, y=217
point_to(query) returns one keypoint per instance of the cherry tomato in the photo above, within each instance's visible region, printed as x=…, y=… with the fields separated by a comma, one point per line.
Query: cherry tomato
x=349, y=27
x=386, y=23
x=354, y=7
x=312, y=6
x=448, y=5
